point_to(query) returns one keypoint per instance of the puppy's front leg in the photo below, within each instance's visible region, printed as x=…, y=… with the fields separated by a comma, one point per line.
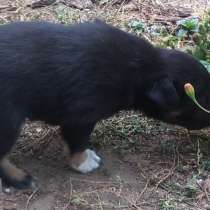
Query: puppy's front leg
x=85, y=161
x=82, y=159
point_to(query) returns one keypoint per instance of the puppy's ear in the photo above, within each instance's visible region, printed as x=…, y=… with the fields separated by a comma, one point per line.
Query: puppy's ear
x=164, y=94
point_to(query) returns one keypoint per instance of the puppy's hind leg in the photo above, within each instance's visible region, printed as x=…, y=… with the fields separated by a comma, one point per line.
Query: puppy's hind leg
x=15, y=177
x=11, y=176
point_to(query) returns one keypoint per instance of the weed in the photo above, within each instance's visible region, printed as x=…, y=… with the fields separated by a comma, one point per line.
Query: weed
x=201, y=41
x=66, y=15
x=191, y=187
x=193, y=37
x=137, y=26
x=169, y=41
x=157, y=30
x=78, y=200
x=182, y=168
x=206, y=164
x=187, y=27
x=167, y=205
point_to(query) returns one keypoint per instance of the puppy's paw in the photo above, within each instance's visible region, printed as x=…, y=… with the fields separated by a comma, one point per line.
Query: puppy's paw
x=14, y=177
x=90, y=163
x=85, y=162
x=27, y=182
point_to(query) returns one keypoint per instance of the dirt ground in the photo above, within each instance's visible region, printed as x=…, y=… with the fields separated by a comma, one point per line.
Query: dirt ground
x=147, y=165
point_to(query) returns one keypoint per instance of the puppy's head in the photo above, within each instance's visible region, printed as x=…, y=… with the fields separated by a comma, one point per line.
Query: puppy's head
x=166, y=99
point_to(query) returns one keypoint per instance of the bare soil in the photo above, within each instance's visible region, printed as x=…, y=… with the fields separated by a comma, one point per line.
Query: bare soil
x=147, y=164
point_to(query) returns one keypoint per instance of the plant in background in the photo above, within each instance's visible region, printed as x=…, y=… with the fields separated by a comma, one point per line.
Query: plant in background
x=206, y=64
x=193, y=35
x=137, y=26
x=191, y=188
x=201, y=39
x=67, y=16
x=157, y=30
x=168, y=204
x=187, y=27
x=170, y=41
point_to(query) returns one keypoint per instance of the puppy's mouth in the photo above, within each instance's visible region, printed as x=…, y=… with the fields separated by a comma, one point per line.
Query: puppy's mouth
x=175, y=118
x=195, y=127
x=190, y=124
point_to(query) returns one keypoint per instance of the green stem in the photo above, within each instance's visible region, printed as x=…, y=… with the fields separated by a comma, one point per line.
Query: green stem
x=196, y=102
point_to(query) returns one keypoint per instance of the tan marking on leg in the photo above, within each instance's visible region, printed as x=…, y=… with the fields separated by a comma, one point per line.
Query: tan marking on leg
x=11, y=170
x=77, y=159
x=66, y=149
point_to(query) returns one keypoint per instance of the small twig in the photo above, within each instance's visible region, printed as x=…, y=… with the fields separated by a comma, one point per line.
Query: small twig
x=164, y=178
x=1, y=188
x=1, y=191
x=119, y=9
x=144, y=190
x=100, y=202
x=164, y=19
x=30, y=197
x=109, y=206
x=204, y=190
x=133, y=204
x=95, y=182
x=206, y=194
x=7, y=8
x=70, y=195
x=171, y=171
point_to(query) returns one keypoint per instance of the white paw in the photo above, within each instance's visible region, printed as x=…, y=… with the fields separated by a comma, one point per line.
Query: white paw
x=91, y=162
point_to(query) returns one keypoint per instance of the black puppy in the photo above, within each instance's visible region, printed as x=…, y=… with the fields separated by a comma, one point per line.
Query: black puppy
x=74, y=76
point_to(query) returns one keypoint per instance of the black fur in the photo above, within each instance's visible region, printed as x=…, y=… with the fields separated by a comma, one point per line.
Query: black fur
x=74, y=76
